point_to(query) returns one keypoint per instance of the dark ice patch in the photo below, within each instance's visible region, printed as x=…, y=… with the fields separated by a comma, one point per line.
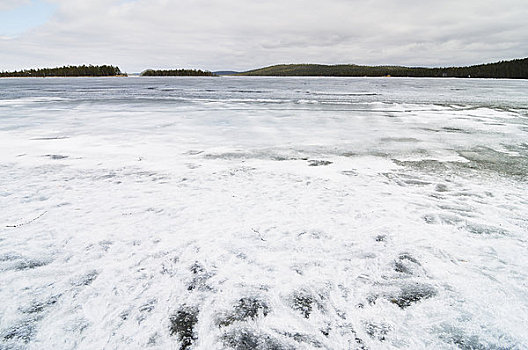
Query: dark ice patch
x=229, y=155
x=182, y=325
x=315, y=234
x=28, y=264
x=9, y=257
x=192, y=166
x=415, y=182
x=399, y=139
x=405, y=180
x=303, y=303
x=407, y=264
x=461, y=340
x=371, y=300
x=426, y=165
x=124, y=315
x=347, y=329
x=449, y=219
x=56, y=156
x=484, y=158
x=458, y=209
x=50, y=138
x=107, y=176
x=326, y=330
x=105, y=245
x=243, y=170
x=39, y=306
x=21, y=332
x=197, y=268
x=146, y=309
x=199, y=278
x=303, y=338
x=245, y=309
x=153, y=339
x=381, y=238
x=86, y=279
x=247, y=339
x=413, y=293
x=455, y=130
x=148, y=306
x=441, y=188
x=315, y=162
x=480, y=229
x=377, y=331
x=77, y=325
x=350, y=173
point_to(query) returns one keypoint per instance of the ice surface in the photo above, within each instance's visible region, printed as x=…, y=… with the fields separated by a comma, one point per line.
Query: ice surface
x=263, y=213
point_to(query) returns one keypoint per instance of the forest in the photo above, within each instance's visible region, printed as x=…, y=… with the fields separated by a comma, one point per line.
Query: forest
x=177, y=73
x=67, y=71
x=514, y=69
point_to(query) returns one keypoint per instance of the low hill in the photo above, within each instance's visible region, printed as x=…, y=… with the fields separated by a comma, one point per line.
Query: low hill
x=514, y=69
x=67, y=71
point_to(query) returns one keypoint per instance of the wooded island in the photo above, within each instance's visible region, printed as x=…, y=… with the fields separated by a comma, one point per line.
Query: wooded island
x=66, y=71
x=177, y=73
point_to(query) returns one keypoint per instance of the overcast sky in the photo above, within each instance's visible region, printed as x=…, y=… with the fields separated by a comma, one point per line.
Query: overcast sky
x=245, y=34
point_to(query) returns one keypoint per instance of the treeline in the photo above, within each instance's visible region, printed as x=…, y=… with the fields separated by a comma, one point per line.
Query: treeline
x=177, y=73
x=515, y=69
x=67, y=71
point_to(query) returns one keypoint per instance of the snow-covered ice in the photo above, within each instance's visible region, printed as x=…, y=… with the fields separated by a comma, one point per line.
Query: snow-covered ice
x=263, y=213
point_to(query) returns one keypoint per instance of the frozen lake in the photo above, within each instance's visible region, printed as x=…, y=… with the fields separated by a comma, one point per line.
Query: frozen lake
x=263, y=213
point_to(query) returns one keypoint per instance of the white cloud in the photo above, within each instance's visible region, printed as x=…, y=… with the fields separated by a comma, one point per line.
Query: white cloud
x=239, y=34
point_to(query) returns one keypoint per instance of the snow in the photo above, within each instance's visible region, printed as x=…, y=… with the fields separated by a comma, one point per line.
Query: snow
x=266, y=213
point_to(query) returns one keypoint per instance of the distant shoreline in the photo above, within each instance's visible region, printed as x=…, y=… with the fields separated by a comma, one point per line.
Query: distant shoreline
x=513, y=69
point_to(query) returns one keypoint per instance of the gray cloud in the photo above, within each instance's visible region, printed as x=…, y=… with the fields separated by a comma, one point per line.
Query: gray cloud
x=239, y=34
